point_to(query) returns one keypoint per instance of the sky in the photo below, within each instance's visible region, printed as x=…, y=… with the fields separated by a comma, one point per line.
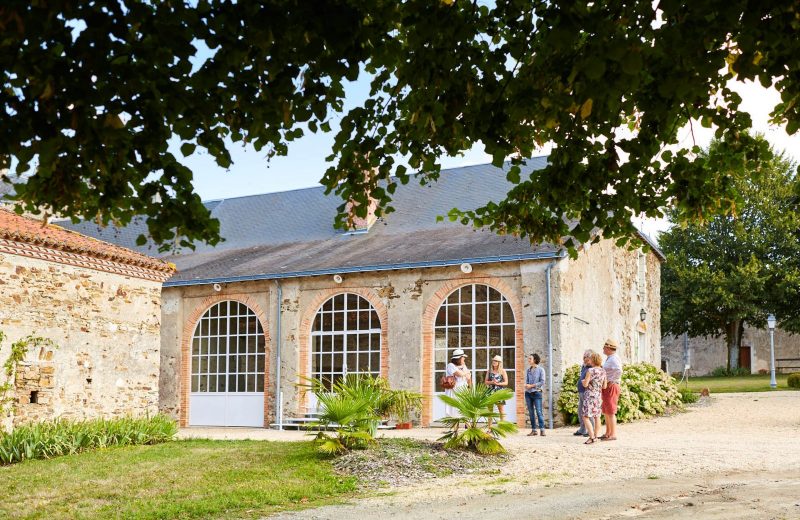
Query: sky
x=305, y=163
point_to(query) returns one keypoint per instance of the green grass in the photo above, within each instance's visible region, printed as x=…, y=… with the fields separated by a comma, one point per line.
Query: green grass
x=723, y=385
x=182, y=479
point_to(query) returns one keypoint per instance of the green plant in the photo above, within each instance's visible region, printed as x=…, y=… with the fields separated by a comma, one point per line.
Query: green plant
x=404, y=403
x=645, y=391
x=54, y=438
x=352, y=417
x=688, y=396
x=475, y=404
x=18, y=351
x=734, y=372
x=793, y=380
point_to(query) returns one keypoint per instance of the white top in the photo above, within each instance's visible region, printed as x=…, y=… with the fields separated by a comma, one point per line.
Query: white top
x=613, y=368
x=451, y=370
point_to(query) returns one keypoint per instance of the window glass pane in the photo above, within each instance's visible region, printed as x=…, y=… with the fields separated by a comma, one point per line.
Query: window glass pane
x=352, y=301
x=481, y=334
x=481, y=293
x=338, y=321
x=195, y=364
x=374, y=321
x=232, y=383
x=452, y=315
x=495, y=339
x=512, y=374
x=221, y=383
x=212, y=364
x=251, y=382
x=260, y=364
x=195, y=383
x=223, y=326
x=508, y=336
x=196, y=346
x=241, y=383
x=439, y=339
x=212, y=383
x=204, y=327
x=352, y=362
x=338, y=302
x=375, y=362
x=466, y=294
x=453, y=339
x=213, y=311
x=375, y=342
x=203, y=384
x=214, y=327
x=363, y=320
x=508, y=314
x=494, y=296
x=328, y=305
x=494, y=313
x=363, y=362
x=352, y=320
x=466, y=315
x=508, y=357
x=253, y=326
x=481, y=313
x=338, y=343
x=440, y=317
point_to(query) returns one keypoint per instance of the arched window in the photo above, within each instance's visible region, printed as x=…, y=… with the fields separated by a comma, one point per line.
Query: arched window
x=228, y=351
x=345, y=339
x=477, y=319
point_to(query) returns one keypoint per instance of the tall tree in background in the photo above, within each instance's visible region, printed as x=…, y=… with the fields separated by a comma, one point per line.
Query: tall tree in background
x=94, y=92
x=737, y=268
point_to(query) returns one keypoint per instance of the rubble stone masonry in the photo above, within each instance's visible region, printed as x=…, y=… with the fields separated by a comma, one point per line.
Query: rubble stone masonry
x=105, y=328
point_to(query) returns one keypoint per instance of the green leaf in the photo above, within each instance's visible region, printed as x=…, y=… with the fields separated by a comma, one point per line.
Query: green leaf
x=187, y=149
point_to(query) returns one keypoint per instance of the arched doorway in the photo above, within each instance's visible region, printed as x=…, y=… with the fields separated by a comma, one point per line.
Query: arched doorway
x=228, y=359
x=478, y=319
x=345, y=339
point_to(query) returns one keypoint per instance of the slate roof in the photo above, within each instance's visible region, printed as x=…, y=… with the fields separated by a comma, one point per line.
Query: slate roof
x=287, y=234
x=26, y=230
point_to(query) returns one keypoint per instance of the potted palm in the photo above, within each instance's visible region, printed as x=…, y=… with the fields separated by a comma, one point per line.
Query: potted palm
x=403, y=404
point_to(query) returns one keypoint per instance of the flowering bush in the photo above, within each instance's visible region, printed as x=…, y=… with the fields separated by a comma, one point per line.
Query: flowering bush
x=645, y=391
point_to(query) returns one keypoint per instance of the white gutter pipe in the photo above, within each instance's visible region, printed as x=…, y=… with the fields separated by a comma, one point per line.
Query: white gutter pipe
x=278, y=393
x=549, y=347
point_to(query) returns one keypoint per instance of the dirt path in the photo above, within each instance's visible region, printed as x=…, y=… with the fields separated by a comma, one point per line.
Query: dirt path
x=736, y=457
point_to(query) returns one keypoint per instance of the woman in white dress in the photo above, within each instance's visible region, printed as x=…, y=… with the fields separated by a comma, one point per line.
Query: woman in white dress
x=458, y=369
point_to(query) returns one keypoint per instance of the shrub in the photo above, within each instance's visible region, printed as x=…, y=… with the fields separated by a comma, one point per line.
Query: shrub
x=476, y=403
x=724, y=372
x=352, y=417
x=688, y=397
x=645, y=391
x=794, y=380
x=54, y=438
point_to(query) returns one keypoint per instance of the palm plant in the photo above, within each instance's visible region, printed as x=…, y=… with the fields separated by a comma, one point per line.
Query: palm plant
x=352, y=418
x=475, y=404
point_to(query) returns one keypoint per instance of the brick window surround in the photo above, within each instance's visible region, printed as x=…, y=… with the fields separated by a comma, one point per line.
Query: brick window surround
x=307, y=321
x=186, y=355
x=428, y=322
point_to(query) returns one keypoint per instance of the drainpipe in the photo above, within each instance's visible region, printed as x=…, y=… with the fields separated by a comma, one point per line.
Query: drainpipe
x=549, y=347
x=278, y=393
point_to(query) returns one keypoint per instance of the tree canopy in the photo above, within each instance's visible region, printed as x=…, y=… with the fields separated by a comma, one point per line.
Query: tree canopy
x=737, y=269
x=93, y=92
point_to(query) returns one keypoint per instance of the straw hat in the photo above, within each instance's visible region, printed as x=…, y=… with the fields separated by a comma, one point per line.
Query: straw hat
x=458, y=353
x=497, y=358
x=610, y=343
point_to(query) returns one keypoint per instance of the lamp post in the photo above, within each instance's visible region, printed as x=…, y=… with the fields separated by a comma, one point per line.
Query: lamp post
x=771, y=324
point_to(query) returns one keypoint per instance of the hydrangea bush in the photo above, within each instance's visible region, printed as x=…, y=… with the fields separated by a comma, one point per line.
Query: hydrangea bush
x=645, y=391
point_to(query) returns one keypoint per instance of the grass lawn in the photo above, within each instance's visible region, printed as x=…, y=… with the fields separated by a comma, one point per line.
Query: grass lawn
x=181, y=479
x=723, y=385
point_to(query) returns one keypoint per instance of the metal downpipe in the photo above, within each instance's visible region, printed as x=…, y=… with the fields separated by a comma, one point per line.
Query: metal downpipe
x=549, y=347
x=278, y=396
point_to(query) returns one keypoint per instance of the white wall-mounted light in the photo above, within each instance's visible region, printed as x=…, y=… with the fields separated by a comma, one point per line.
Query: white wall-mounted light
x=338, y=278
x=217, y=287
x=466, y=268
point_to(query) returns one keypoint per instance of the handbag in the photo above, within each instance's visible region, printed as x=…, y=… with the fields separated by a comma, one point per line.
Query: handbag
x=448, y=382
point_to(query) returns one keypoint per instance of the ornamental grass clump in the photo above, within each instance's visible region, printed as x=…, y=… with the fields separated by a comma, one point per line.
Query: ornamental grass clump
x=55, y=438
x=793, y=380
x=645, y=391
x=475, y=405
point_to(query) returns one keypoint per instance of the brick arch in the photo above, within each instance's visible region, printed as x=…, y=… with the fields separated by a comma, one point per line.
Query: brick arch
x=189, y=326
x=306, y=322
x=429, y=320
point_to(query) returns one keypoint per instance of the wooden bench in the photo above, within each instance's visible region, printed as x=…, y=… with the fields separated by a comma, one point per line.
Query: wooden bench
x=786, y=364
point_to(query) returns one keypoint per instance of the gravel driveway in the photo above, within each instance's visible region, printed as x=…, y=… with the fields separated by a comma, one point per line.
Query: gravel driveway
x=733, y=456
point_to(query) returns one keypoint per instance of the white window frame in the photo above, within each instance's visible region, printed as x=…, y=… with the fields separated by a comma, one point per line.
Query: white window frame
x=348, y=338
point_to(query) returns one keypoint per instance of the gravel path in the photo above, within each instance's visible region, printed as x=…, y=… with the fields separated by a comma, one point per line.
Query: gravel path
x=722, y=451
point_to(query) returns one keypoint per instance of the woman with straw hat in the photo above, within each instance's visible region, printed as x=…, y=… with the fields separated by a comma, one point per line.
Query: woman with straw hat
x=497, y=379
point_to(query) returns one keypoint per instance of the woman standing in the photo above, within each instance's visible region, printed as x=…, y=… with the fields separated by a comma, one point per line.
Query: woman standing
x=594, y=382
x=497, y=379
x=457, y=367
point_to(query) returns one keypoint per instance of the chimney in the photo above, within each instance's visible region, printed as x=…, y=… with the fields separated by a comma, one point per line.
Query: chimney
x=361, y=223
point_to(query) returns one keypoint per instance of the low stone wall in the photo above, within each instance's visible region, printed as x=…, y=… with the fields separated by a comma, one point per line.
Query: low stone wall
x=105, y=332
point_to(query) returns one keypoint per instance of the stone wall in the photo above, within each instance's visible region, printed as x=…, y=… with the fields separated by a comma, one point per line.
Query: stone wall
x=707, y=353
x=106, y=331
x=601, y=299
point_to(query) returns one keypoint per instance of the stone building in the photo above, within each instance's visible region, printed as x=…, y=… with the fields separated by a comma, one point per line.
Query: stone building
x=99, y=305
x=286, y=297
x=705, y=353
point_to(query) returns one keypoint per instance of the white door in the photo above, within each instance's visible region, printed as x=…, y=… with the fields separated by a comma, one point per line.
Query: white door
x=228, y=368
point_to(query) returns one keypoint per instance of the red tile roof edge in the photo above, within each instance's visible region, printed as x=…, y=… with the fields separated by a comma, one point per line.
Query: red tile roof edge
x=36, y=232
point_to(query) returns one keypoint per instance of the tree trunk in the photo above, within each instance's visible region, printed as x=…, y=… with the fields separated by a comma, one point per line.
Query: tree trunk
x=733, y=336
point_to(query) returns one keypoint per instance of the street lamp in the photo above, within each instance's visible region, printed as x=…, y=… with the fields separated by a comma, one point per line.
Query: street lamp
x=643, y=315
x=771, y=325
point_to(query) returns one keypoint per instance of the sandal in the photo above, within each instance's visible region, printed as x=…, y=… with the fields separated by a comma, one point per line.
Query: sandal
x=608, y=438
x=591, y=441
